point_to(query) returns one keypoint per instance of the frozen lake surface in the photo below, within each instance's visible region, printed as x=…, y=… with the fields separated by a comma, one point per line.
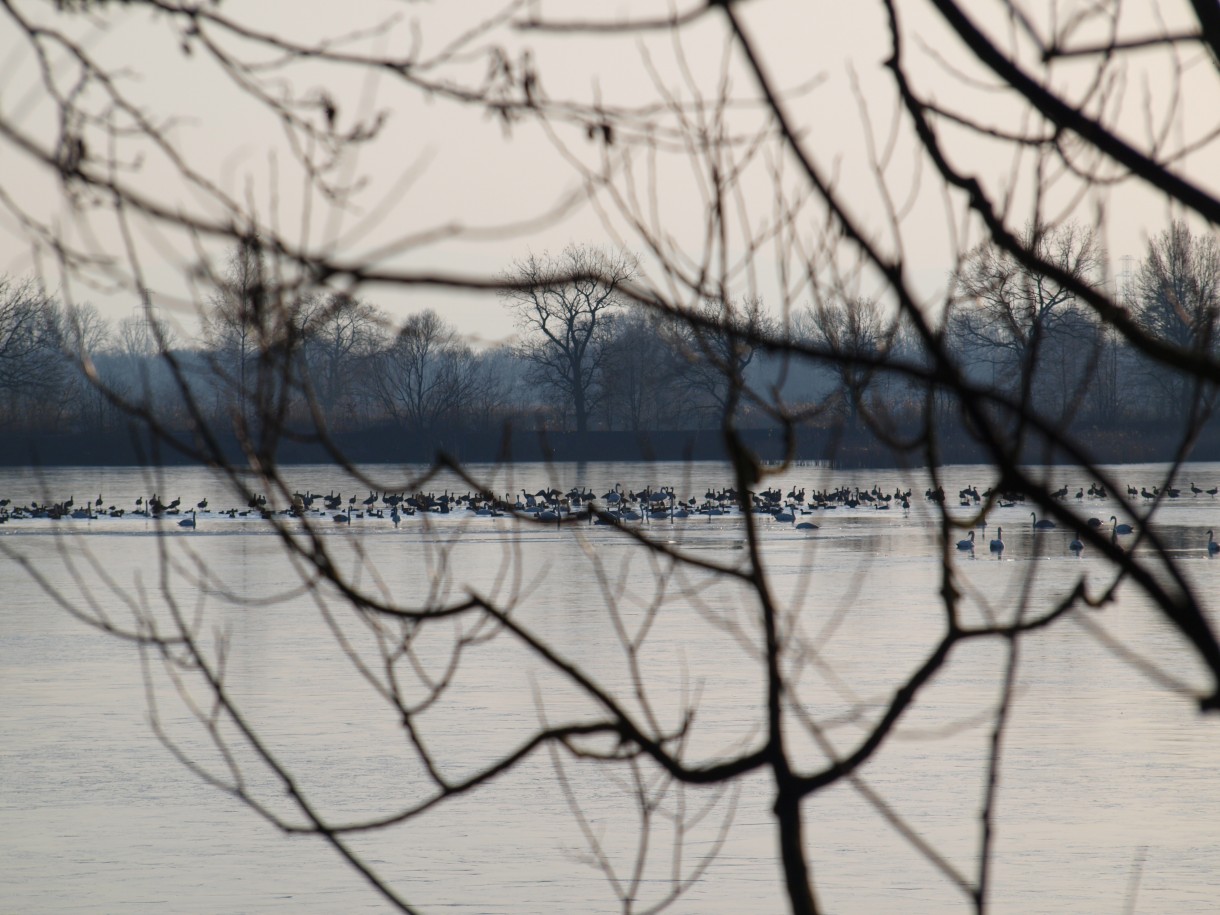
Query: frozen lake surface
x=1107, y=781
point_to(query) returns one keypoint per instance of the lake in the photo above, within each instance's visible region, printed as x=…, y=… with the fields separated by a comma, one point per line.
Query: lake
x=1107, y=791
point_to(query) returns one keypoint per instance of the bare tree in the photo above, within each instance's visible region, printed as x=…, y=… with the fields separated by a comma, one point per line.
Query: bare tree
x=254, y=327
x=643, y=389
x=722, y=172
x=564, y=306
x=84, y=335
x=426, y=379
x=133, y=368
x=34, y=374
x=857, y=337
x=1177, y=290
x=144, y=336
x=339, y=335
x=85, y=332
x=716, y=350
x=234, y=327
x=1023, y=324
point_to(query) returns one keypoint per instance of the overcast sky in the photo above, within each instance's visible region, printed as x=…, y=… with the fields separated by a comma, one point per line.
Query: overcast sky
x=445, y=187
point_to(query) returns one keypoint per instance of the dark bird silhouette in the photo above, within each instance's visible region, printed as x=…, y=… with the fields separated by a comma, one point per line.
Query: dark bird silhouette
x=997, y=545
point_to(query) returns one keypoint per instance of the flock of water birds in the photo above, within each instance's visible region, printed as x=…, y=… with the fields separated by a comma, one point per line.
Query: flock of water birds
x=616, y=506
x=1096, y=491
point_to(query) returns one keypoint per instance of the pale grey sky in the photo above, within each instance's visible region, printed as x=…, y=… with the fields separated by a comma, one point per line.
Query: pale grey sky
x=444, y=187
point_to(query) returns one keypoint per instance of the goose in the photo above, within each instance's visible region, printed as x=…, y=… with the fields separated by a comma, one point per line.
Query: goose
x=1045, y=524
x=967, y=544
x=997, y=545
x=1212, y=547
x=1076, y=546
x=1121, y=528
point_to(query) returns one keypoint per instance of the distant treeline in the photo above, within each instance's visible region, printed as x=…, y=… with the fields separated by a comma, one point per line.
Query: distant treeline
x=597, y=375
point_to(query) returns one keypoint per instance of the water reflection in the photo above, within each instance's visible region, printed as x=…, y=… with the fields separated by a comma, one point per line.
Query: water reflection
x=1099, y=761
